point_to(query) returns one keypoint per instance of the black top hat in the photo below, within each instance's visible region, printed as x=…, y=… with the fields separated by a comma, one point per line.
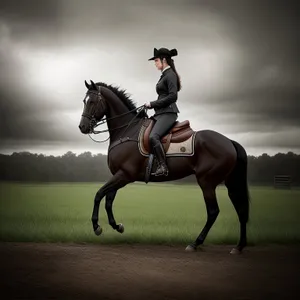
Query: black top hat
x=163, y=52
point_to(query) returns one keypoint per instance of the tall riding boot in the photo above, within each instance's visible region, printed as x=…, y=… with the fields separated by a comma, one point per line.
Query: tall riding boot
x=161, y=157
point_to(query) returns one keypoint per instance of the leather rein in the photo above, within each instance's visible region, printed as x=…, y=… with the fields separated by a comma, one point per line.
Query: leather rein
x=94, y=123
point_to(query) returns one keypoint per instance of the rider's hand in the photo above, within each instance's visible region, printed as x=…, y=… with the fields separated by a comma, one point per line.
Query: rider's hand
x=148, y=105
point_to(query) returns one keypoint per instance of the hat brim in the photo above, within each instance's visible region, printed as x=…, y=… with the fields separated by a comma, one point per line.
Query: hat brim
x=163, y=52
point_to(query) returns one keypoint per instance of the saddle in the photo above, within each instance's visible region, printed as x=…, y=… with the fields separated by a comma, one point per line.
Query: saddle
x=180, y=132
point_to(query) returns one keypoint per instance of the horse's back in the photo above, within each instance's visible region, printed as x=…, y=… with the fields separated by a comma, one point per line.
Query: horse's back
x=214, y=141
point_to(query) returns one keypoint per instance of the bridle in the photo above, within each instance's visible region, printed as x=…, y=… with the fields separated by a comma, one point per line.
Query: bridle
x=93, y=121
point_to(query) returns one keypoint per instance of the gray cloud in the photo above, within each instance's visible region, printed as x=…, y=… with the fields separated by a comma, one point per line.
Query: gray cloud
x=32, y=21
x=264, y=108
x=261, y=92
x=238, y=62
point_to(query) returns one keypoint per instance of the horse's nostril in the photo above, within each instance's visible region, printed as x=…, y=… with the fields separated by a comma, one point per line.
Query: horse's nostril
x=81, y=127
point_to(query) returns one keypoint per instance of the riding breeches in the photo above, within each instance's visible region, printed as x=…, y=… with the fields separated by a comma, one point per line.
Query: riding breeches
x=162, y=126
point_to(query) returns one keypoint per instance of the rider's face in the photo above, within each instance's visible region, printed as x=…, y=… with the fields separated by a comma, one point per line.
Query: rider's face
x=158, y=63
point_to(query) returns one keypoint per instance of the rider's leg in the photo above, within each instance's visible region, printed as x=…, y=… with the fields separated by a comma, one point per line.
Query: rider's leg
x=163, y=124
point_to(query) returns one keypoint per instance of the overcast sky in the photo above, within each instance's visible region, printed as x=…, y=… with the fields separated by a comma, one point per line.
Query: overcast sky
x=238, y=61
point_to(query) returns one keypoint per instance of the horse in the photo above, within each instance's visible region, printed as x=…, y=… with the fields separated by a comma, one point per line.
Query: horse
x=210, y=156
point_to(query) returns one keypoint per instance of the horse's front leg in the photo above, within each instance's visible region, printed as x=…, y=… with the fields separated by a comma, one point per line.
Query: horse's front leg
x=118, y=181
x=110, y=197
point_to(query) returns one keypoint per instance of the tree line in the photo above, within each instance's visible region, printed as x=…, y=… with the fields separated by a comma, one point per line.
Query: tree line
x=86, y=167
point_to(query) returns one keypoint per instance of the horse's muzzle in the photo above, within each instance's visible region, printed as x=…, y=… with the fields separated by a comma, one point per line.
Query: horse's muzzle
x=84, y=129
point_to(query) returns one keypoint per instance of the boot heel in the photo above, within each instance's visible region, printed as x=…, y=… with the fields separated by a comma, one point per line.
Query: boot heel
x=161, y=157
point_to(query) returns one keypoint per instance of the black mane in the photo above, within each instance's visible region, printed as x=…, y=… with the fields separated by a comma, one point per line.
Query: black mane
x=124, y=97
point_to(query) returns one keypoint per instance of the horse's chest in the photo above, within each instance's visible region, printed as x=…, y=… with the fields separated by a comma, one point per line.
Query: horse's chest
x=117, y=158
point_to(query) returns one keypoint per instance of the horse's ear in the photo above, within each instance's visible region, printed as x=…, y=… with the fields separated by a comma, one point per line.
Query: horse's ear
x=87, y=85
x=94, y=85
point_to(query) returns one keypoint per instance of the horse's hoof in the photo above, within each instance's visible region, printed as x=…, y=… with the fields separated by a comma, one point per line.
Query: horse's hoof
x=98, y=230
x=190, y=248
x=120, y=228
x=235, y=251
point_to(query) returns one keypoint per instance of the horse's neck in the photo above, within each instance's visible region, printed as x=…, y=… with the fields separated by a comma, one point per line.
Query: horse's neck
x=119, y=113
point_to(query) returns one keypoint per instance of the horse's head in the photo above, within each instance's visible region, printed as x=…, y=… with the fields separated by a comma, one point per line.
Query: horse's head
x=94, y=108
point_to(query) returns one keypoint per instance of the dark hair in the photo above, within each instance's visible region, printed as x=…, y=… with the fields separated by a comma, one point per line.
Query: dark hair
x=170, y=62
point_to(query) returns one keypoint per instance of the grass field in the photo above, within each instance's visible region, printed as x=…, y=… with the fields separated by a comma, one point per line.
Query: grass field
x=152, y=214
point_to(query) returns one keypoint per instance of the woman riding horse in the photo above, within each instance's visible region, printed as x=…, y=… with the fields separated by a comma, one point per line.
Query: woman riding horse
x=166, y=110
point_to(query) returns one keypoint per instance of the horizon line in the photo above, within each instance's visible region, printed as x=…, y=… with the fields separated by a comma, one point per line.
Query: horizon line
x=95, y=154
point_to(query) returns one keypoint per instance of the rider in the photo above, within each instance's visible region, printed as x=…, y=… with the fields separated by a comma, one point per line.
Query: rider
x=166, y=110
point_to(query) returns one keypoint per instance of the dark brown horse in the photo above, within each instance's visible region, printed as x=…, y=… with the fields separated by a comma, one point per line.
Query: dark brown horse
x=210, y=156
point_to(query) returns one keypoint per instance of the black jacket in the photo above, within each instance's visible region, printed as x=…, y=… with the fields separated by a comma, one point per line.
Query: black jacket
x=166, y=89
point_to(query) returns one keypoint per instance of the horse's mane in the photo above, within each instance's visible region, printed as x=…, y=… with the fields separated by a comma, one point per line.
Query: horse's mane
x=124, y=97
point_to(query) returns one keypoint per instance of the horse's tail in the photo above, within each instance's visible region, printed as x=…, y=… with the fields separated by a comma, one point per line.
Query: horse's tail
x=237, y=184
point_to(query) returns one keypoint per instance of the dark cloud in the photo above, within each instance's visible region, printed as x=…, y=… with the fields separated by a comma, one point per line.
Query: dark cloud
x=31, y=119
x=262, y=92
x=268, y=29
x=32, y=21
x=238, y=61
x=281, y=139
x=265, y=108
x=31, y=11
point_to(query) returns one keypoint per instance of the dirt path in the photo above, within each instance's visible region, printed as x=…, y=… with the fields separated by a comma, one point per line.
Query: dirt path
x=60, y=271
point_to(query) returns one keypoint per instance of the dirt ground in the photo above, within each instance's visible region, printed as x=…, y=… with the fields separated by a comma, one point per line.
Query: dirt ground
x=72, y=271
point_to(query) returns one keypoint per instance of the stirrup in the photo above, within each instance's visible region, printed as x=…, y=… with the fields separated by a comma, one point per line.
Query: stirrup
x=165, y=172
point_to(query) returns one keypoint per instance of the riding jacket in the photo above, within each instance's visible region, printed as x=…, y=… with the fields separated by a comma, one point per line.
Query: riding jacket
x=166, y=89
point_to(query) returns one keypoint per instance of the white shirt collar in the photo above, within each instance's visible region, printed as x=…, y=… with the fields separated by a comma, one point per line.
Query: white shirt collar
x=166, y=68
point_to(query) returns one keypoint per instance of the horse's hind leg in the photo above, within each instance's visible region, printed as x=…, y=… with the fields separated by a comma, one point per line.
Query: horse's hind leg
x=212, y=208
x=238, y=193
x=235, y=199
x=110, y=197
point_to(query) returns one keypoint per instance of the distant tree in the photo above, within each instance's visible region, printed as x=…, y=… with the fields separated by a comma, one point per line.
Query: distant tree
x=86, y=167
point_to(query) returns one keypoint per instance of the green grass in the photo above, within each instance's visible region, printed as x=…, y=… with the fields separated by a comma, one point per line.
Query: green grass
x=152, y=214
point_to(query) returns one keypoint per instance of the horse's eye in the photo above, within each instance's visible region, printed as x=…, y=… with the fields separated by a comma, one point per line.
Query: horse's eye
x=85, y=99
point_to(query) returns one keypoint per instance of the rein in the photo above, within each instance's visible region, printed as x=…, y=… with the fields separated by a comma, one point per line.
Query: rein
x=95, y=124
